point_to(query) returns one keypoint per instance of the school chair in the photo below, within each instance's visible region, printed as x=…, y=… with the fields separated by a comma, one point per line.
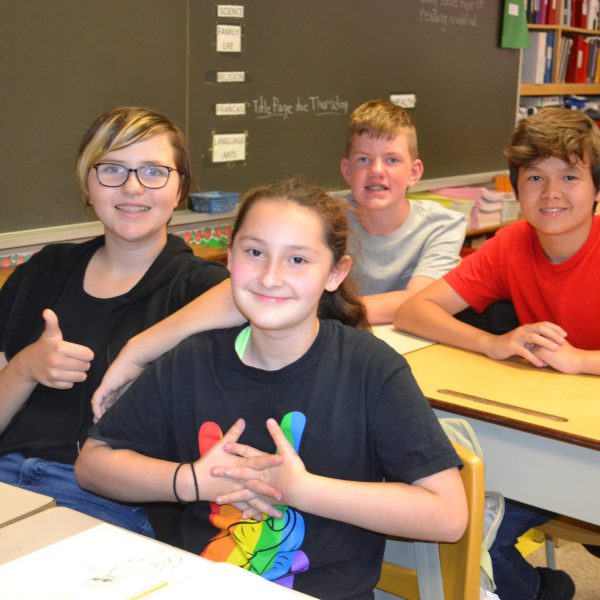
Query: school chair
x=460, y=562
x=565, y=528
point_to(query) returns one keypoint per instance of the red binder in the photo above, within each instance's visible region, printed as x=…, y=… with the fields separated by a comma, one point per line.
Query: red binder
x=551, y=19
x=577, y=67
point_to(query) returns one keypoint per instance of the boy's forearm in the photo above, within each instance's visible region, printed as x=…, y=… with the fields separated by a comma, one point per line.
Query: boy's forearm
x=590, y=362
x=426, y=319
x=381, y=308
x=390, y=508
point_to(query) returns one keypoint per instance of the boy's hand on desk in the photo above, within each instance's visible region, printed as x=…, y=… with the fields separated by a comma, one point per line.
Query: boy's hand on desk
x=566, y=358
x=52, y=361
x=522, y=341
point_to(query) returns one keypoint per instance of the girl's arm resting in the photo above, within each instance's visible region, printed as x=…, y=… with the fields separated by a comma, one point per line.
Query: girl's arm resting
x=14, y=390
x=432, y=508
x=214, y=309
x=129, y=476
x=124, y=475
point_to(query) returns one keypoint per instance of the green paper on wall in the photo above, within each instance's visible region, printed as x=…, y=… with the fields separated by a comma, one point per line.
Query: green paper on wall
x=514, y=25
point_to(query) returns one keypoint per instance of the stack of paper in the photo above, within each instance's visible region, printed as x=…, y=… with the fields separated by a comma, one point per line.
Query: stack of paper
x=465, y=207
x=486, y=214
x=510, y=208
x=483, y=207
x=445, y=201
x=464, y=200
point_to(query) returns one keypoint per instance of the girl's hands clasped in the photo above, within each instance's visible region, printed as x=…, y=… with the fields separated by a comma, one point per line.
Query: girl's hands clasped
x=253, y=494
x=285, y=474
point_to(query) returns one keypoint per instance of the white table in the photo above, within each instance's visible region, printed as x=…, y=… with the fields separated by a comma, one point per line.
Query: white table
x=60, y=553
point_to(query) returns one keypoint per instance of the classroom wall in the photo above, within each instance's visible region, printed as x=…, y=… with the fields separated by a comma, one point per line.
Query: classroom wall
x=307, y=64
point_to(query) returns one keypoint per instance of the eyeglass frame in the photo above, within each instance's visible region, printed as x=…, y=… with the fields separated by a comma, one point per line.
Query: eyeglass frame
x=130, y=171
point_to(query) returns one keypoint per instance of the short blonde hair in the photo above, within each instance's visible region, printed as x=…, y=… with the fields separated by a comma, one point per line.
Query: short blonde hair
x=126, y=125
x=382, y=119
x=569, y=135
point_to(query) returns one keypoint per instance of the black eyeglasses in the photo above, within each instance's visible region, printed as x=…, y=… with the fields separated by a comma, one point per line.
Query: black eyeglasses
x=150, y=176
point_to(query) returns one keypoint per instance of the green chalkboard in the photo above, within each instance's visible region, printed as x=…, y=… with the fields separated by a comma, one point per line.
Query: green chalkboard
x=306, y=64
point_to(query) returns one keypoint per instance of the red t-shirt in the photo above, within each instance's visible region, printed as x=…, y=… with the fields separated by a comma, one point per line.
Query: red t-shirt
x=513, y=266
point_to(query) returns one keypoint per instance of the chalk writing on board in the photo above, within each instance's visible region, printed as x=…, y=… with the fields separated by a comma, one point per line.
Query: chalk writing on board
x=268, y=107
x=231, y=76
x=228, y=147
x=229, y=38
x=450, y=13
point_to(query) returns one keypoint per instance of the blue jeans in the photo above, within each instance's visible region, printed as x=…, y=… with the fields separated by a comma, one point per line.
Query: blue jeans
x=57, y=480
x=515, y=578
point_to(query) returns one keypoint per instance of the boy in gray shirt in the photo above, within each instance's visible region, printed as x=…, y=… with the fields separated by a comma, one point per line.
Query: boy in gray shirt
x=401, y=246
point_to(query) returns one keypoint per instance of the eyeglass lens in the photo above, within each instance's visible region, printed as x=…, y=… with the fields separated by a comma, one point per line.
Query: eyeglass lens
x=150, y=176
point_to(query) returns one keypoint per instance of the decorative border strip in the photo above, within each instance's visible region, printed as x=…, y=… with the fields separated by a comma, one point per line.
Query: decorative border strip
x=214, y=237
x=13, y=260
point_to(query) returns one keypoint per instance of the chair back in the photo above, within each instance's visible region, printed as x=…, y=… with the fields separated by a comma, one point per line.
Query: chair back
x=460, y=561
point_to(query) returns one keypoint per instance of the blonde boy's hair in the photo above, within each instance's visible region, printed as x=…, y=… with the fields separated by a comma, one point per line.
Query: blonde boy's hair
x=382, y=119
x=126, y=125
x=569, y=135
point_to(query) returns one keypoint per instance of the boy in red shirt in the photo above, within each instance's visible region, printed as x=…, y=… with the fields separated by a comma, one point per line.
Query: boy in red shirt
x=548, y=266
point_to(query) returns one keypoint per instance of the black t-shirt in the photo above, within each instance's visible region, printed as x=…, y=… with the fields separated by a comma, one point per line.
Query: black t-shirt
x=57, y=420
x=53, y=423
x=353, y=411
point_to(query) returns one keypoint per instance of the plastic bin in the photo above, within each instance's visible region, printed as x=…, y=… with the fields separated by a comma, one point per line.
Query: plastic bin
x=213, y=202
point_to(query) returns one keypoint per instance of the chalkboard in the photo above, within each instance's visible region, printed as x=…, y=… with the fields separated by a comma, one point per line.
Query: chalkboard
x=306, y=65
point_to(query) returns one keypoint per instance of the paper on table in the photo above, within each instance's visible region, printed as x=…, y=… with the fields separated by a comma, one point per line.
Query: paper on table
x=108, y=562
x=226, y=581
x=100, y=562
x=399, y=340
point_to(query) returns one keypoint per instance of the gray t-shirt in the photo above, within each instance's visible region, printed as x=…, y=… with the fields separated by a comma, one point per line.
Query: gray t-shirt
x=427, y=245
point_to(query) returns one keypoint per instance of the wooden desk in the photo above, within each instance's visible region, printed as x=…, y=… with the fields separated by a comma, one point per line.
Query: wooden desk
x=77, y=556
x=17, y=503
x=4, y=274
x=539, y=429
x=41, y=530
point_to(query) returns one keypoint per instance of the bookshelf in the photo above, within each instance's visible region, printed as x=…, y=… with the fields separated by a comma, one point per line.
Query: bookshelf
x=561, y=31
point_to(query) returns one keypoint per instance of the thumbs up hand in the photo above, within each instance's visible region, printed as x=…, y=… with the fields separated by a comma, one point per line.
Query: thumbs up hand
x=52, y=361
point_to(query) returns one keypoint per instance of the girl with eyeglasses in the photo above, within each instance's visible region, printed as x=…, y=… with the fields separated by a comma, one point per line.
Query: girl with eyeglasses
x=66, y=313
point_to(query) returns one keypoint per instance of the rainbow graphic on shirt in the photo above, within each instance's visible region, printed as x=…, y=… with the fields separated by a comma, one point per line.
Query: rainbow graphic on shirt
x=271, y=547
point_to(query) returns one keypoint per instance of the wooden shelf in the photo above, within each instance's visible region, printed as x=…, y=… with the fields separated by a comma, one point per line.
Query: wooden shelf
x=559, y=89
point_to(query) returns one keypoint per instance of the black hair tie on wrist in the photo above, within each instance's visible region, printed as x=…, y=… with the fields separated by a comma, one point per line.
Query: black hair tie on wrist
x=195, y=482
x=175, y=483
